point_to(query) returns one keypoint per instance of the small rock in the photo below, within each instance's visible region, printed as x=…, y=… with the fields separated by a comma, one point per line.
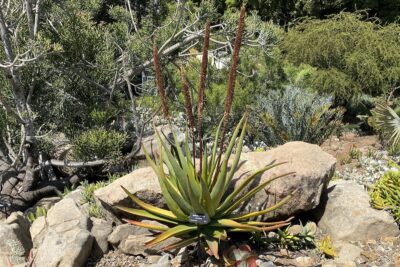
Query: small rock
x=295, y=229
x=122, y=231
x=153, y=258
x=101, y=229
x=135, y=245
x=370, y=255
x=164, y=261
x=261, y=263
x=305, y=262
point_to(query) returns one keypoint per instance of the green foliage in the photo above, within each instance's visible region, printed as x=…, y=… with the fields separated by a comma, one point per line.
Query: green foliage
x=385, y=193
x=295, y=237
x=240, y=256
x=387, y=122
x=94, y=210
x=99, y=144
x=188, y=191
x=326, y=247
x=350, y=55
x=296, y=115
x=355, y=153
x=40, y=211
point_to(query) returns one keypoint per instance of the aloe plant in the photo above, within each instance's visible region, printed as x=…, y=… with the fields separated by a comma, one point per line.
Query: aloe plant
x=189, y=193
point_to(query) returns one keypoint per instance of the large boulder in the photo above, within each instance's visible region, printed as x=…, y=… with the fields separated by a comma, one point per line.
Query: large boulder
x=313, y=170
x=346, y=215
x=63, y=237
x=15, y=241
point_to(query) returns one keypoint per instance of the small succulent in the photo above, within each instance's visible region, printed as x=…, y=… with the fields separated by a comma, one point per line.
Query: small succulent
x=40, y=211
x=240, y=256
x=326, y=247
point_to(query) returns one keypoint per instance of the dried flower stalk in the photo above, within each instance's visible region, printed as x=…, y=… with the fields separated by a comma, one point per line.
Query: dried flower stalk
x=189, y=109
x=160, y=82
x=202, y=86
x=231, y=81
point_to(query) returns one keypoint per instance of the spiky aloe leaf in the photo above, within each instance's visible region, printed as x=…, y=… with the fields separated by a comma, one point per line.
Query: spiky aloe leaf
x=146, y=214
x=251, y=193
x=218, y=190
x=181, y=243
x=228, y=201
x=150, y=208
x=172, y=232
x=265, y=211
x=233, y=224
x=147, y=225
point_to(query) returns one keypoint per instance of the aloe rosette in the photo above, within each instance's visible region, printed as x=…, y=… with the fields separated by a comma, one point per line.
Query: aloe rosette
x=189, y=193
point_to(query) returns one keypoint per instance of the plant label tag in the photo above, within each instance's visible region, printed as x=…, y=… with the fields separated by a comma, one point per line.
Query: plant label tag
x=199, y=219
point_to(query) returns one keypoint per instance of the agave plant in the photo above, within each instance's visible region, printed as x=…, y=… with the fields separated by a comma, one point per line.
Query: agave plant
x=197, y=202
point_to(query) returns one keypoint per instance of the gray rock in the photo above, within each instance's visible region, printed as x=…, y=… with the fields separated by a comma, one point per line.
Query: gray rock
x=346, y=215
x=312, y=167
x=122, y=231
x=76, y=195
x=15, y=242
x=262, y=263
x=62, y=238
x=101, y=229
x=164, y=261
x=135, y=245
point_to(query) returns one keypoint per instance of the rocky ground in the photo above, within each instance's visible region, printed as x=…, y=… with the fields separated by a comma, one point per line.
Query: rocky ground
x=362, y=236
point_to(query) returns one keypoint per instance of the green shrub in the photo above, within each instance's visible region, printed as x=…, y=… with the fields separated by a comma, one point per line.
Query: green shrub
x=351, y=54
x=295, y=115
x=99, y=144
x=385, y=193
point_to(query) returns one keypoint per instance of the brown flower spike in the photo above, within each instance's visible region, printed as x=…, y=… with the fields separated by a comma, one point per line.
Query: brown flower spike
x=202, y=85
x=160, y=82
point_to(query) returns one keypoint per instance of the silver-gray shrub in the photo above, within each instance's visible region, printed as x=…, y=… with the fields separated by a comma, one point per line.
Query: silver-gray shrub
x=294, y=114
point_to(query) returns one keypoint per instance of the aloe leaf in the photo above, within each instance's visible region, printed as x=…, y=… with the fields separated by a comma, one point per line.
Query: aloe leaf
x=146, y=214
x=150, y=161
x=233, y=224
x=251, y=193
x=178, y=198
x=147, y=225
x=262, y=212
x=181, y=244
x=237, y=156
x=218, y=189
x=171, y=203
x=213, y=158
x=172, y=232
x=150, y=208
x=228, y=201
x=212, y=244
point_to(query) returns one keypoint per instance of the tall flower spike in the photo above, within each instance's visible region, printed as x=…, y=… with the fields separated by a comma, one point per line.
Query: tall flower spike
x=232, y=72
x=202, y=86
x=231, y=82
x=188, y=108
x=160, y=82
